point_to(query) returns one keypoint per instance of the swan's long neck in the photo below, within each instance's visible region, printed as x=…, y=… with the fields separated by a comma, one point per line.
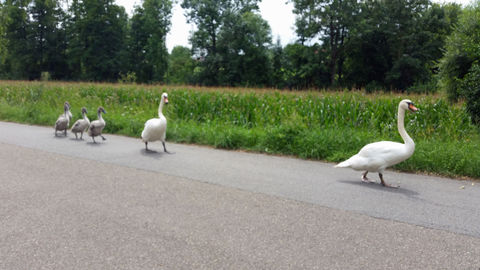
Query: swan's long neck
x=100, y=116
x=85, y=116
x=160, y=108
x=401, y=129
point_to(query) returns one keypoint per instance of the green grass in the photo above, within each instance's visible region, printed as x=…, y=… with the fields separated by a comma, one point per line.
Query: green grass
x=314, y=125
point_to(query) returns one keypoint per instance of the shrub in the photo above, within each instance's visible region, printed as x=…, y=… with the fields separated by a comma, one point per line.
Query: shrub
x=429, y=87
x=462, y=51
x=130, y=77
x=471, y=91
x=374, y=86
x=45, y=76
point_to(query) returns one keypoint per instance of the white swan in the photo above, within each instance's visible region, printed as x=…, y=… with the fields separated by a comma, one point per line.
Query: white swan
x=156, y=128
x=376, y=157
x=81, y=125
x=63, y=120
x=97, y=126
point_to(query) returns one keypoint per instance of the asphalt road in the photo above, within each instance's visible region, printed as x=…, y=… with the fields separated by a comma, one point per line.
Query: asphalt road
x=67, y=204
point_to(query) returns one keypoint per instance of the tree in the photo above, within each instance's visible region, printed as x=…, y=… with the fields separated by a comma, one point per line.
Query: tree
x=137, y=40
x=157, y=25
x=15, y=24
x=96, y=39
x=243, y=49
x=277, y=64
x=148, y=52
x=3, y=40
x=47, y=38
x=304, y=66
x=180, y=66
x=209, y=17
x=396, y=44
x=329, y=20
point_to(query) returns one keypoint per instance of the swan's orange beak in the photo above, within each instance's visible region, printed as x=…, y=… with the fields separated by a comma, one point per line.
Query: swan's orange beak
x=165, y=100
x=412, y=107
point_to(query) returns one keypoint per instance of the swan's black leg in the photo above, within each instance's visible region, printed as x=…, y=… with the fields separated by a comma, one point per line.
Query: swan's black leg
x=65, y=132
x=146, y=146
x=103, y=138
x=364, y=177
x=76, y=138
x=164, y=148
x=385, y=184
x=93, y=138
x=81, y=135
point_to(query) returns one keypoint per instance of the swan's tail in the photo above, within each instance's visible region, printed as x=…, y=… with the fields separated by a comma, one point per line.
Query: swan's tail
x=343, y=164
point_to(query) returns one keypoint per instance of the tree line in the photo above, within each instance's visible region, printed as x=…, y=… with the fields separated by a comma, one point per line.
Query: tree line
x=373, y=44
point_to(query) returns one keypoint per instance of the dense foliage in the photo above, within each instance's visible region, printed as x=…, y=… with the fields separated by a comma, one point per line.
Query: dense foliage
x=315, y=125
x=377, y=44
x=459, y=67
x=91, y=40
x=461, y=51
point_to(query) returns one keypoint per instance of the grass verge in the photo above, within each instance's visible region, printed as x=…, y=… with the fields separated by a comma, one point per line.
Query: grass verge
x=313, y=125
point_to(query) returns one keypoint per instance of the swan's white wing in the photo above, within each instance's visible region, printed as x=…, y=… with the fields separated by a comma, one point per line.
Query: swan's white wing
x=381, y=148
x=154, y=129
x=376, y=156
x=383, y=154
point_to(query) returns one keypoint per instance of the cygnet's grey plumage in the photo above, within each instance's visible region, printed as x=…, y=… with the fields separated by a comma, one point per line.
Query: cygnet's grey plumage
x=81, y=125
x=97, y=126
x=69, y=113
x=63, y=121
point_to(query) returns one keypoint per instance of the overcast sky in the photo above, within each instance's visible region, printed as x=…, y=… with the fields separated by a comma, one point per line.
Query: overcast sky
x=278, y=14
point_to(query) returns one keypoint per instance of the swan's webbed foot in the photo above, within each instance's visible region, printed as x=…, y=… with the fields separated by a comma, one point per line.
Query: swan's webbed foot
x=385, y=184
x=103, y=138
x=365, y=178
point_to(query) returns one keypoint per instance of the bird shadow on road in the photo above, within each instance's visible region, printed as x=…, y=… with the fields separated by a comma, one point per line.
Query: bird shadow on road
x=91, y=143
x=60, y=136
x=379, y=187
x=151, y=153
